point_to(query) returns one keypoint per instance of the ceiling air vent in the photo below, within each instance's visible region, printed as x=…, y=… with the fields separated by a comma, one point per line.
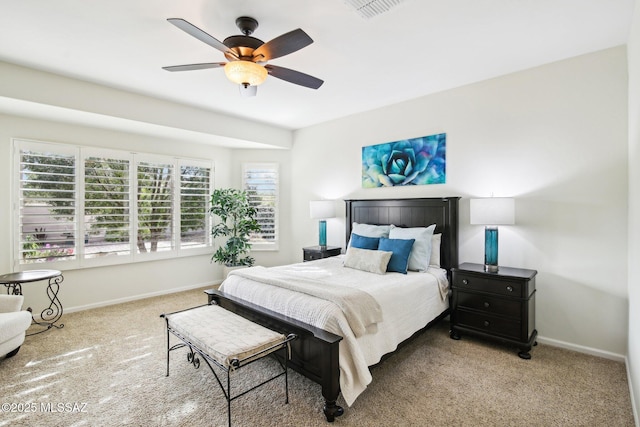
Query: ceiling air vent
x=370, y=8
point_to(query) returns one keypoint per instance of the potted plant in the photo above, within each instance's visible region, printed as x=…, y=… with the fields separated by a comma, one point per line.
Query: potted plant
x=237, y=221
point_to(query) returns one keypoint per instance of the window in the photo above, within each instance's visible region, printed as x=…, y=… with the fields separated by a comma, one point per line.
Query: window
x=47, y=203
x=155, y=207
x=85, y=206
x=195, y=194
x=106, y=207
x=260, y=180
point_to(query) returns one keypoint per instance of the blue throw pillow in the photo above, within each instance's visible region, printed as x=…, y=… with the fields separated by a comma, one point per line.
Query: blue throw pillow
x=363, y=242
x=401, y=249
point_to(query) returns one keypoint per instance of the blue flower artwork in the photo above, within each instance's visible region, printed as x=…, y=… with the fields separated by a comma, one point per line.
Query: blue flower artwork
x=415, y=161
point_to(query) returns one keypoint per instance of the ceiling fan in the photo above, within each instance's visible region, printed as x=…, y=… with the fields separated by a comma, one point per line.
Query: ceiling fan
x=248, y=56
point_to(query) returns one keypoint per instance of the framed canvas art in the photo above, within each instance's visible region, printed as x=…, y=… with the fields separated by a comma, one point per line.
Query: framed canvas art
x=415, y=161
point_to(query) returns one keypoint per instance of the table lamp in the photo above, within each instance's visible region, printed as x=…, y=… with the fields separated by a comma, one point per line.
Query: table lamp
x=322, y=209
x=492, y=212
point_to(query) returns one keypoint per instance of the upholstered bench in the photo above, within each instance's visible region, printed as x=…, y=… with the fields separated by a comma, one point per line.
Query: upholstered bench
x=227, y=341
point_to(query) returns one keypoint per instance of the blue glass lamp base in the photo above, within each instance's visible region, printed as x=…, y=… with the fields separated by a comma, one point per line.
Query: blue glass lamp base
x=491, y=249
x=322, y=233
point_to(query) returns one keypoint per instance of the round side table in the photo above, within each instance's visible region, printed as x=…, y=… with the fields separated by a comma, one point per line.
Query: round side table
x=50, y=315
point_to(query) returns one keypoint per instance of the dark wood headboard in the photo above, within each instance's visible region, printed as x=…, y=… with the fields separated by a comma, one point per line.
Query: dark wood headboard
x=443, y=212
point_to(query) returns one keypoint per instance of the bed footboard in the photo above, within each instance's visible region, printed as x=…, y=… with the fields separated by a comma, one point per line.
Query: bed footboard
x=314, y=354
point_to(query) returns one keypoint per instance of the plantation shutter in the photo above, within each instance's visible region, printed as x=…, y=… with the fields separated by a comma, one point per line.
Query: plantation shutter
x=47, y=204
x=195, y=192
x=106, y=207
x=155, y=207
x=89, y=206
x=261, y=181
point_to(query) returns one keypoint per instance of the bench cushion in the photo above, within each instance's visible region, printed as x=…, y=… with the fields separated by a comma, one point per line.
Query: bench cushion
x=223, y=335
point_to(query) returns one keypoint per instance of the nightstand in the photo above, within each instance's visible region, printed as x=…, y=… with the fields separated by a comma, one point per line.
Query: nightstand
x=497, y=305
x=318, y=252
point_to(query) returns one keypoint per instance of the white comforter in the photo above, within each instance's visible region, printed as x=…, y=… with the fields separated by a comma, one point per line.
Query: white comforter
x=408, y=303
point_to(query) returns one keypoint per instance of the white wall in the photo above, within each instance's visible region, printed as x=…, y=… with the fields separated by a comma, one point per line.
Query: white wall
x=97, y=286
x=634, y=209
x=554, y=137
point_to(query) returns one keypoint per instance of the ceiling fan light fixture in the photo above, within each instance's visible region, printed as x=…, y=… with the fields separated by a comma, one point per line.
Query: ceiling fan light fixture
x=245, y=72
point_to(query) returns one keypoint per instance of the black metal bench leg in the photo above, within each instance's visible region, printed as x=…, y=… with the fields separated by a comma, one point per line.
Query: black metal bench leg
x=286, y=375
x=168, y=349
x=229, y=398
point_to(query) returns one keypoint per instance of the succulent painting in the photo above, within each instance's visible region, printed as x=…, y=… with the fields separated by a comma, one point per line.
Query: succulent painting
x=415, y=161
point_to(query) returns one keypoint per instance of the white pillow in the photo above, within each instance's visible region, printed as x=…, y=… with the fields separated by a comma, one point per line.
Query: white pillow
x=421, y=250
x=369, y=230
x=436, y=240
x=367, y=260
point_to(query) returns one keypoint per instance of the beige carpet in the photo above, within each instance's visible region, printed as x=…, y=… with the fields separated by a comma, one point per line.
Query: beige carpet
x=106, y=367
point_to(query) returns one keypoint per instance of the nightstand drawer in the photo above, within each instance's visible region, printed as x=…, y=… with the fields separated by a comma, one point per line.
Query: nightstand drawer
x=489, y=324
x=483, y=284
x=313, y=253
x=489, y=304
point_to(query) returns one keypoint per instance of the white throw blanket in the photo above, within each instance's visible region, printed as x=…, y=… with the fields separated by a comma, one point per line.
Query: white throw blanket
x=408, y=301
x=361, y=310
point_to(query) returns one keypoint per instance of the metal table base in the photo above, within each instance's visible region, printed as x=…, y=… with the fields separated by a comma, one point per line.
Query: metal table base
x=51, y=314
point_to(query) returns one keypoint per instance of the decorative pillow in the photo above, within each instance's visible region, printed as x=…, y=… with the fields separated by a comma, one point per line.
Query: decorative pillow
x=401, y=249
x=421, y=251
x=367, y=260
x=363, y=242
x=369, y=230
x=436, y=240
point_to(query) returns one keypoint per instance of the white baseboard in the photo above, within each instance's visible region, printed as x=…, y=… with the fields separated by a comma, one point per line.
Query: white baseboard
x=141, y=296
x=581, y=349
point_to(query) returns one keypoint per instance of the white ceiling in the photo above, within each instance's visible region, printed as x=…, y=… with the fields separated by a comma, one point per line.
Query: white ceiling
x=417, y=48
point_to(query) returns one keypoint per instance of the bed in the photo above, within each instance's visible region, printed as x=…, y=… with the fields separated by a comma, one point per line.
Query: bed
x=327, y=351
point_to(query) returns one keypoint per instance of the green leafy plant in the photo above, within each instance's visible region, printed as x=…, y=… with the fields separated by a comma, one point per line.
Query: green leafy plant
x=237, y=221
x=30, y=247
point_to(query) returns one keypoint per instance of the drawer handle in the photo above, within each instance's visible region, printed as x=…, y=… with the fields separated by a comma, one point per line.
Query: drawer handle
x=465, y=282
x=486, y=323
x=510, y=288
x=486, y=305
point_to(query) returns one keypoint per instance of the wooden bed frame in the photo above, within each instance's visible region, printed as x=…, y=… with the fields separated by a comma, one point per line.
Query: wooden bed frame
x=315, y=352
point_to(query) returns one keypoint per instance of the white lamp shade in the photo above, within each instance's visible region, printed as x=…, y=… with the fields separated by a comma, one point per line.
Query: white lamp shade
x=493, y=211
x=322, y=209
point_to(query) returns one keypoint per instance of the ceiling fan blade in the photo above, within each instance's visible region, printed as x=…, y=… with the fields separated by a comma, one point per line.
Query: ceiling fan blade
x=191, y=67
x=295, y=77
x=196, y=32
x=282, y=45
